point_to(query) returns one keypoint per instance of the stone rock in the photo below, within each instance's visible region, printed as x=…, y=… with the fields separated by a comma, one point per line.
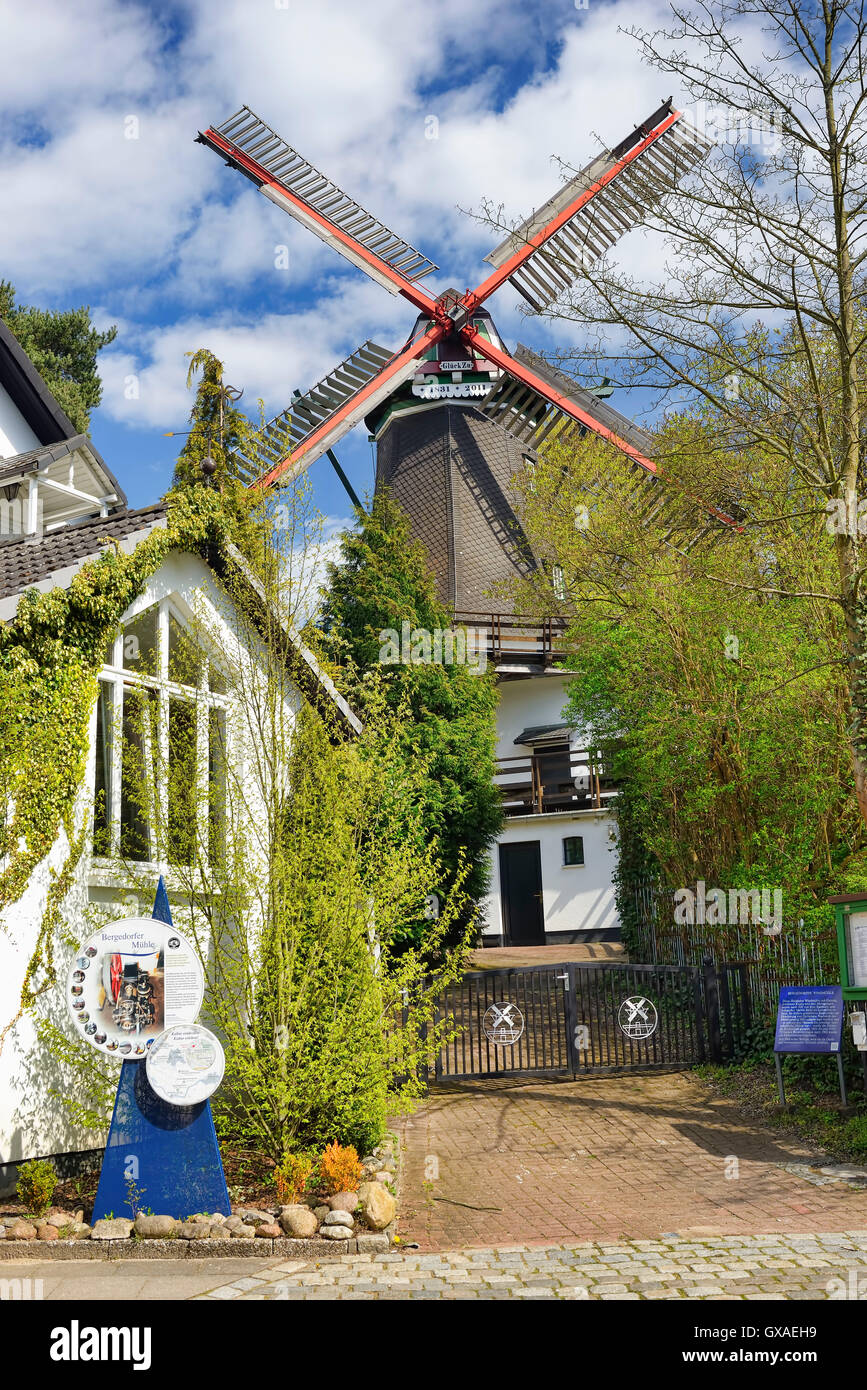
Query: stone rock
x=254, y=1217
x=2, y=1232
x=321, y=1212
x=20, y=1230
x=343, y=1201
x=269, y=1229
x=111, y=1228
x=194, y=1230
x=377, y=1205
x=299, y=1221
x=79, y=1230
x=59, y=1218
x=339, y=1218
x=336, y=1232
x=243, y=1232
x=47, y=1232
x=372, y=1242
x=384, y=1176
x=218, y=1219
x=155, y=1227
x=232, y=1222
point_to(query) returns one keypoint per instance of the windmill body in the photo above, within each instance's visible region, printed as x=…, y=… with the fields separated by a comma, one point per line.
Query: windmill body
x=455, y=417
x=452, y=470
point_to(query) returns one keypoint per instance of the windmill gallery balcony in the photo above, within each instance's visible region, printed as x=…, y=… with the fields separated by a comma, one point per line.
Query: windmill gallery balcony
x=511, y=640
x=553, y=778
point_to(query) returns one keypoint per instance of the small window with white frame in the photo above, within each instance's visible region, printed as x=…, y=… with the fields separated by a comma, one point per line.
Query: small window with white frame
x=573, y=851
x=160, y=757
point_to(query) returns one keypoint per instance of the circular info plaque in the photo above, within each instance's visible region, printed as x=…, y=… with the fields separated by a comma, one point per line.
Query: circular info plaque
x=185, y=1065
x=130, y=981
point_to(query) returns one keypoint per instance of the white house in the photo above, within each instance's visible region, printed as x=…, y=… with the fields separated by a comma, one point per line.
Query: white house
x=61, y=507
x=553, y=864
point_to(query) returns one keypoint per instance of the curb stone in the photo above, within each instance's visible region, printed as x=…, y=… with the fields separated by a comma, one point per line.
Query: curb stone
x=366, y=1243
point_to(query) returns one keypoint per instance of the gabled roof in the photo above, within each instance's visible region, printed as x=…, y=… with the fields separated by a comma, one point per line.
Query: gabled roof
x=34, y=460
x=29, y=392
x=52, y=561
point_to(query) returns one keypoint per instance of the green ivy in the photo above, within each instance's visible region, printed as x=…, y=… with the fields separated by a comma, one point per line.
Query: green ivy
x=50, y=658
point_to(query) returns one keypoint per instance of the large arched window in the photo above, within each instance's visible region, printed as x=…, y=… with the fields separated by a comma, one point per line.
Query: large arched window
x=161, y=743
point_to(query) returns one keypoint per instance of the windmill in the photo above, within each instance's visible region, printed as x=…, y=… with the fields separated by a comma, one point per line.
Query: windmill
x=455, y=415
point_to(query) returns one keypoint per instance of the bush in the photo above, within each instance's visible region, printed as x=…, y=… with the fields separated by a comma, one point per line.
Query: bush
x=291, y=1176
x=36, y=1183
x=340, y=1169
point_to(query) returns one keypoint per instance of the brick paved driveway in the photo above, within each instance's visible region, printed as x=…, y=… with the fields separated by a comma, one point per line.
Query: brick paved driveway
x=490, y=1163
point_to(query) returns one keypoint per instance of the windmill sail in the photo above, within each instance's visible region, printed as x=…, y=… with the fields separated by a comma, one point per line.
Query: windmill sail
x=287, y=431
x=308, y=195
x=610, y=196
x=535, y=420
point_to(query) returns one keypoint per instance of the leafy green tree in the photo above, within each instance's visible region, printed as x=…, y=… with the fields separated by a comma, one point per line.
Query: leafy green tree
x=297, y=859
x=209, y=457
x=381, y=582
x=711, y=668
x=63, y=346
x=769, y=227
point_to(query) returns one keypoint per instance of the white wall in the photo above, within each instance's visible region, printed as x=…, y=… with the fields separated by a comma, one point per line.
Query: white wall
x=526, y=703
x=575, y=897
x=16, y=436
x=32, y=1123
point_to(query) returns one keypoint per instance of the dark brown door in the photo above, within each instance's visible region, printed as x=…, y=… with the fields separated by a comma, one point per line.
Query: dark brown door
x=521, y=890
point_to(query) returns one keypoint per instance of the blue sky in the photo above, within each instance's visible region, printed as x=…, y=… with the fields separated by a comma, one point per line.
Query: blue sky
x=108, y=200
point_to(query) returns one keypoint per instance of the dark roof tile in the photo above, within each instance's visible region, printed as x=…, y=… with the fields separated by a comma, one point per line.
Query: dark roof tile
x=25, y=560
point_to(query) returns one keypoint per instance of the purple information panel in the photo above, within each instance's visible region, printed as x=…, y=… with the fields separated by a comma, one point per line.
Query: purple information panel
x=809, y=1019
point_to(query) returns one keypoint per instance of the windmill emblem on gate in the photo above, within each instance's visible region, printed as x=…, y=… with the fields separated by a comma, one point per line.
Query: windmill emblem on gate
x=638, y=1018
x=503, y=1024
x=454, y=352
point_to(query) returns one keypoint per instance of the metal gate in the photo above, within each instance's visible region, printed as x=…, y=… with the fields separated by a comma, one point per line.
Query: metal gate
x=584, y=1019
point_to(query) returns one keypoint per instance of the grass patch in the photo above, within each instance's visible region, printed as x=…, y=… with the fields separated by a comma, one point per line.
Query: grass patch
x=814, y=1114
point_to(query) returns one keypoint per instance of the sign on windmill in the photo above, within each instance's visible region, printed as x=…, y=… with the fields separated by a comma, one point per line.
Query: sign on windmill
x=135, y=989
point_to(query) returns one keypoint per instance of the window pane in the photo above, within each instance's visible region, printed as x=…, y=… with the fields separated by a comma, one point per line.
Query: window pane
x=102, y=780
x=182, y=778
x=136, y=781
x=217, y=683
x=140, y=644
x=185, y=658
x=573, y=850
x=216, y=784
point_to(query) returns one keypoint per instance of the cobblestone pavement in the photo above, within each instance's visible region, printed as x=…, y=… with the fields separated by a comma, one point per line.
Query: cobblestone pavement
x=771, y=1267
x=491, y=1163
x=758, y=1267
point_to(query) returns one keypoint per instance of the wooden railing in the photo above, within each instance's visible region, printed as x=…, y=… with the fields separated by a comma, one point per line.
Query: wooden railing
x=532, y=784
x=513, y=637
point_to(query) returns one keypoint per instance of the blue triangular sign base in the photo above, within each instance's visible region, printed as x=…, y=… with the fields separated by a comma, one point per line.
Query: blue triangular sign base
x=159, y=1157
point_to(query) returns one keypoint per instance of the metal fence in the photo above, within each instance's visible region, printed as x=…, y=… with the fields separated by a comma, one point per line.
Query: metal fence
x=575, y=1019
x=798, y=955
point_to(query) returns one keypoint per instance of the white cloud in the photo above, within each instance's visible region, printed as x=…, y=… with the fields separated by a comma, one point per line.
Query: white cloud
x=144, y=374
x=181, y=250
